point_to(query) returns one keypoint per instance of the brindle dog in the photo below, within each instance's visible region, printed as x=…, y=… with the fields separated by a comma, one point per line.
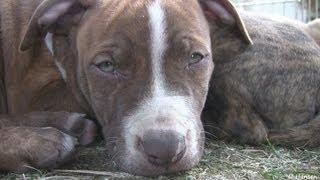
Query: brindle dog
x=266, y=90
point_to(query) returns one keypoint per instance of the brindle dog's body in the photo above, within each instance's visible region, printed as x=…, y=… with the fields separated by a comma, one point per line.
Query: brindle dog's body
x=269, y=89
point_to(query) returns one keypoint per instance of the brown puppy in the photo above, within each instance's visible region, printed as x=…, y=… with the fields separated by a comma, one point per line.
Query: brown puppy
x=267, y=90
x=141, y=68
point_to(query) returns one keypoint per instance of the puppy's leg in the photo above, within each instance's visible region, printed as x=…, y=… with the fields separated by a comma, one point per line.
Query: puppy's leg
x=25, y=148
x=243, y=123
x=236, y=119
x=305, y=135
x=74, y=124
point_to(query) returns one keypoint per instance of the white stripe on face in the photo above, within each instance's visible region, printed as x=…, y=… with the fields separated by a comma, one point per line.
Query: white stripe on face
x=160, y=110
x=158, y=46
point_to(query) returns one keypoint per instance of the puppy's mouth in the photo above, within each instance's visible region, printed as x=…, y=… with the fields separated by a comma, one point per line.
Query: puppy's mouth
x=158, y=152
x=143, y=165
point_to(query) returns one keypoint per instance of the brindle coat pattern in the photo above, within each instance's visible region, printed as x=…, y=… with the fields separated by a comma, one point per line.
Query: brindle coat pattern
x=267, y=90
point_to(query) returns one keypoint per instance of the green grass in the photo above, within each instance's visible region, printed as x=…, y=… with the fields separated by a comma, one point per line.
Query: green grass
x=221, y=161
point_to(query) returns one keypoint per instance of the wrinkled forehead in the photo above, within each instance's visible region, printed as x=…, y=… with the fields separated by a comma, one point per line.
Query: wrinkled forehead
x=132, y=18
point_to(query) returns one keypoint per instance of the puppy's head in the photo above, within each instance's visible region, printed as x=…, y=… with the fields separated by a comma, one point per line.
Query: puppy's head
x=142, y=67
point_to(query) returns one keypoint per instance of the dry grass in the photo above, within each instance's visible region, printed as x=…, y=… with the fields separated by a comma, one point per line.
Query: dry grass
x=221, y=161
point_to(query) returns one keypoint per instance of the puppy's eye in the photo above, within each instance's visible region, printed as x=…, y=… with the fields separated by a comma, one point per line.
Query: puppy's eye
x=106, y=66
x=196, y=57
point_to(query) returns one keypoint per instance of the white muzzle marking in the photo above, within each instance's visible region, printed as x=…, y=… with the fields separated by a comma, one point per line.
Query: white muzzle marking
x=160, y=110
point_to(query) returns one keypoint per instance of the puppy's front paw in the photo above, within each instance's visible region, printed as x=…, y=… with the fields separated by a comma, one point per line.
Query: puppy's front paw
x=78, y=126
x=74, y=124
x=24, y=148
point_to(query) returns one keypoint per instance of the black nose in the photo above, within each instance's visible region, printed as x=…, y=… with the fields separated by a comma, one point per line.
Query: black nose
x=163, y=148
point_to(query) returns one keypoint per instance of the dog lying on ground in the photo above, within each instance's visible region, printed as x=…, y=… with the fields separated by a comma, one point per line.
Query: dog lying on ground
x=143, y=69
x=269, y=90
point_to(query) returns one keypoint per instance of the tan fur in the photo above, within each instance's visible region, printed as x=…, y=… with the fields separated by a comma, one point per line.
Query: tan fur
x=29, y=82
x=313, y=28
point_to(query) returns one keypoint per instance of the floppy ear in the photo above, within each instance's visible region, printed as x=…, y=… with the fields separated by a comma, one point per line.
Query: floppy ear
x=225, y=12
x=53, y=16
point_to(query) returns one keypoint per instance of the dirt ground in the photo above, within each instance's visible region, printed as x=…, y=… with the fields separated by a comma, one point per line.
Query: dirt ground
x=221, y=161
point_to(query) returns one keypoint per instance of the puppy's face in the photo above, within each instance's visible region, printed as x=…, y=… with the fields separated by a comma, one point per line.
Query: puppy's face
x=144, y=67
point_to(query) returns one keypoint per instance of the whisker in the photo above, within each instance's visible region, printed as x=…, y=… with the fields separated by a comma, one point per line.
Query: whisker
x=209, y=125
x=111, y=138
x=112, y=142
x=209, y=134
x=114, y=156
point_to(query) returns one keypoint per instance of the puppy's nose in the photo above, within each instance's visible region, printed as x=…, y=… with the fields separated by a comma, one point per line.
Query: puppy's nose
x=163, y=148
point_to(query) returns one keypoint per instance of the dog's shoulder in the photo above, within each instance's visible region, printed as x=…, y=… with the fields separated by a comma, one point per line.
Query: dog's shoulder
x=281, y=49
x=266, y=28
x=278, y=39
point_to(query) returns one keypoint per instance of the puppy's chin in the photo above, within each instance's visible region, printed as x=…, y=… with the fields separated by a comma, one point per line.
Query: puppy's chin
x=138, y=165
x=136, y=162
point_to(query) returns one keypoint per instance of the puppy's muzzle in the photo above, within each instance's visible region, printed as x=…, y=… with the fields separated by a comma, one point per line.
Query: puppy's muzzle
x=162, y=148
